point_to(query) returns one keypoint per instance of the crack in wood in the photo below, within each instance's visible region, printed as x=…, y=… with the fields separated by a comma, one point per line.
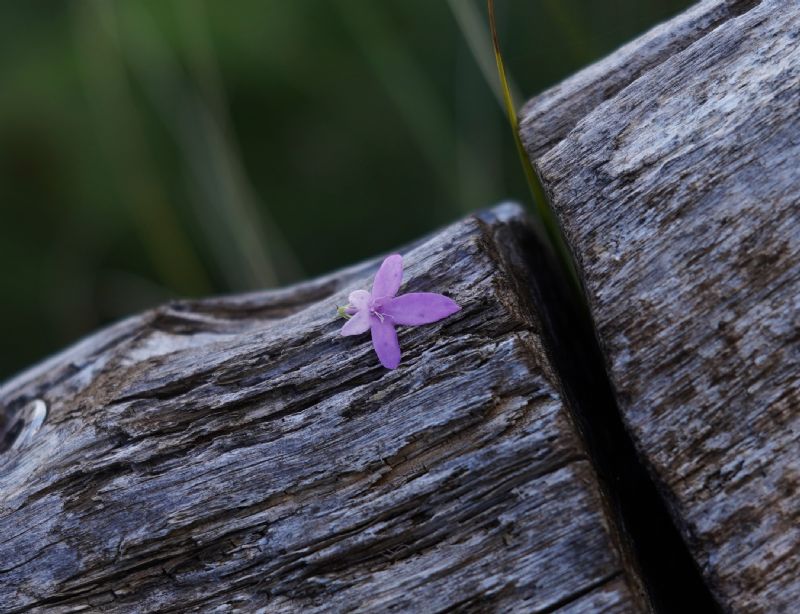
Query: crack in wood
x=678, y=196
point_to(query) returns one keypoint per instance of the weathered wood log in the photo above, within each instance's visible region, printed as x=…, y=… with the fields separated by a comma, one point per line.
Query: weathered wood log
x=674, y=167
x=237, y=453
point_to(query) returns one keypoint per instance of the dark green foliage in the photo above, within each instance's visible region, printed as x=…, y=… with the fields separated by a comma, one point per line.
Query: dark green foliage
x=158, y=149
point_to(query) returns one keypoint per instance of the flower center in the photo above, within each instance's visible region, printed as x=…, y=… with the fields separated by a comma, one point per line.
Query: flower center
x=375, y=307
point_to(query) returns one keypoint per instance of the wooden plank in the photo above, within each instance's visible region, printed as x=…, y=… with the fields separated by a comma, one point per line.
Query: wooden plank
x=679, y=194
x=237, y=453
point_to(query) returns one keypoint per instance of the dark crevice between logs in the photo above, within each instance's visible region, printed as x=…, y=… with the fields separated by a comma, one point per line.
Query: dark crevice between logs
x=671, y=578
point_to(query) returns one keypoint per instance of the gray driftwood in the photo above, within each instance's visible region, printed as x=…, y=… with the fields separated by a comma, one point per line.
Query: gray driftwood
x=237, y=453
x=674, y=166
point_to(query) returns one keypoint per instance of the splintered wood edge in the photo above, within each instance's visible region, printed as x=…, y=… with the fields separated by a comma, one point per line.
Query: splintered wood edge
x=550, y=116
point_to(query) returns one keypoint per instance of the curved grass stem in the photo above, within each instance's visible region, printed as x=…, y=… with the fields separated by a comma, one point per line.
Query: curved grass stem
x=542, y=207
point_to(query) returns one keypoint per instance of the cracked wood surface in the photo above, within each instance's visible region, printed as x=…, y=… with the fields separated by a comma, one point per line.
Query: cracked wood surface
x=237, y=453
x=678, y=189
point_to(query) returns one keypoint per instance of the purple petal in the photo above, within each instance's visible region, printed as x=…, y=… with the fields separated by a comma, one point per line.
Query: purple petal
x=388, y=278
x=384, y=340
x=419, y=308
x=356, y=325
x=359, y=299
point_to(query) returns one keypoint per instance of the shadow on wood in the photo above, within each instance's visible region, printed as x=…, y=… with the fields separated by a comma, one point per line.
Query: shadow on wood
x=674, y=166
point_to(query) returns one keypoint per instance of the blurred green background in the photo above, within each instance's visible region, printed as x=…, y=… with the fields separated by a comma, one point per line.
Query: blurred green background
x=177, y=148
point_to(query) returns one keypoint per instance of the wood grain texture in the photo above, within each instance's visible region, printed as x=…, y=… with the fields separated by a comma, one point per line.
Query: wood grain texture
x=549, y=117
x=680, y=198
x=237, y=453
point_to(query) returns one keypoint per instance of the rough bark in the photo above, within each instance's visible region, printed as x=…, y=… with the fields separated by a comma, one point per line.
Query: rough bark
x=549, y=117
x=678, y=190
x=237, y=453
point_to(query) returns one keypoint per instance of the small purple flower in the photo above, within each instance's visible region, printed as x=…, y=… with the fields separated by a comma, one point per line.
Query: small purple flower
x=380, y=310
